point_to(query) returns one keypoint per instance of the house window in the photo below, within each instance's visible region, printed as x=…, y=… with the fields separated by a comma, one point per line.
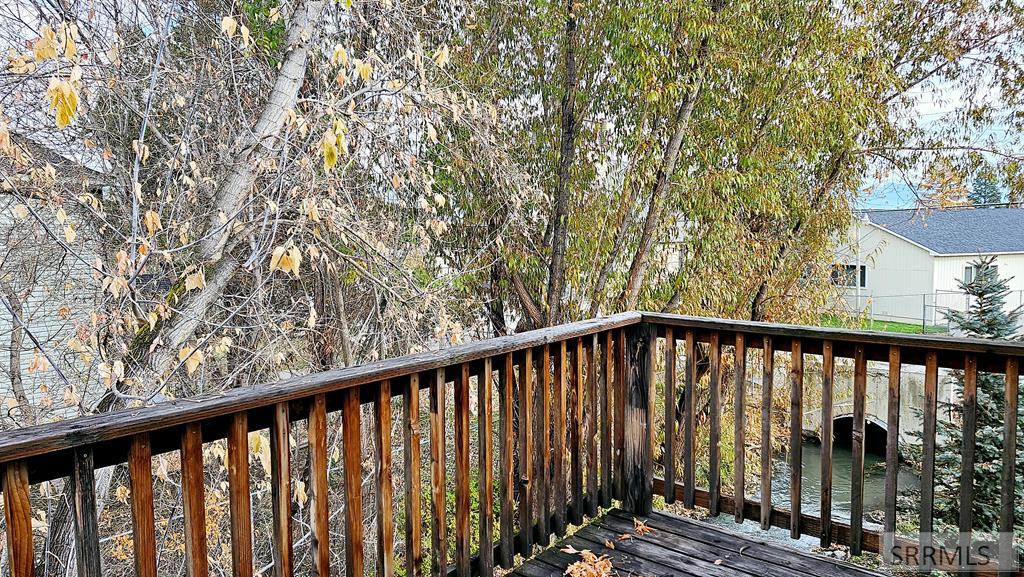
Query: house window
x=850, y=275
x=971, y=272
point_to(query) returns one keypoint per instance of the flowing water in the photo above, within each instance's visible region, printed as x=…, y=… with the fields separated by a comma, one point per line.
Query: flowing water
x=842, y=467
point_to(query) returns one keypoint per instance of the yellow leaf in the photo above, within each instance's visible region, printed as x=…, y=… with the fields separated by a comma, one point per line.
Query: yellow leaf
x=245, y=35
x=191, y=357
x=69, y=233
x=46, y=46
x=69, y=31
x=63, y=101
x=441, y=56
x=300, y=494
x=228, y=25
x=364, y=69
x=195, y=280
x=20, y=211
x=152, y=221
x=122, y=494
x=340, y=56
x=330, y=155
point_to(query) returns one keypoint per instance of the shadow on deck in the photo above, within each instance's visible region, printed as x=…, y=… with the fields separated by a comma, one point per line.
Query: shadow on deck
x=678, y=546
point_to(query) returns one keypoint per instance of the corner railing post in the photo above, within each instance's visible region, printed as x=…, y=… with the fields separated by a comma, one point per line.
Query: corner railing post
x=637, y=463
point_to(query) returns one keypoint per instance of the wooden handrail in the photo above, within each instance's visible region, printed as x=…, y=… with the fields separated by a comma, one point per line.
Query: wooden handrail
x=575, y=430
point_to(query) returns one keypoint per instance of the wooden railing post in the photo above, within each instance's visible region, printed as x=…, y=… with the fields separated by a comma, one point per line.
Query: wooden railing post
x=638, y=466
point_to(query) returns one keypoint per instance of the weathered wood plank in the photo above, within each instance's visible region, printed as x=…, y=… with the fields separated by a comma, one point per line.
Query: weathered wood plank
x=438, y=536
x=281, y=490
x=558, y=442
x=319, y=508
x=193, y=494
x=607, y=394
x=827, y=383
x=739, y=427
x=638, y=470
x=525, y=450
x=767, y=382
x=591, y=438
x=543, y=452
x=486, y=501
x=506, y=485
x=970, y=424
x=689, y=419
x=352, y=457
x=1008, y=479
x=860, y=380
x=239, y=501
x=931, y=380
x=140, y=478
x=619, y=417
x=796, y=425
x=18, y=520
x=576, y=435
x=385, y=487
x=87, y=531
x=892, y=451
x=413, y=481
x=669, y=455
x=461, y=416
x=715, y=426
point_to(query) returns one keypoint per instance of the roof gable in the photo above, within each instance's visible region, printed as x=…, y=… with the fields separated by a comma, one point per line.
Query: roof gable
x=961, y=230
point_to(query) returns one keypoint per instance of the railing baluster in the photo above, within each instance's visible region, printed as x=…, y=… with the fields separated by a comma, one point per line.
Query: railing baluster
x=281, y=490
x=194, y=500
x=319, y=512
x=525, y=450
x=484, y=408
x=739, y=428
x=827, y=381
x=87, y=533
x=438, y=537
x=591, y=361
x=796, y=415
x=967, y=457
x=576, y=435
x=561, y=368
x=689, y=434
x=860, y=380
x=413, y=482
x=239, y=502
x=669, y=456
x=892, y=452
x=18, y=519
x=544, y=451
x=767, y=378
x=619, y=418
x=715, y=380
x=931, y=380
x=385, y=488
x=507, y=455
x=1008, y=481
x=462, y=472
x=607, y=401
x=351, y=451
x=140, y=476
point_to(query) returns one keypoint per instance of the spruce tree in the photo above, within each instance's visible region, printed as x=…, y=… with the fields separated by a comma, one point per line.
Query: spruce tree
x=987, y=317
x=985, y=188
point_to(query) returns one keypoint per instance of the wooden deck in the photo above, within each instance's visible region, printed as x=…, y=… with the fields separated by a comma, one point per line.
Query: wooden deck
x=678, y=546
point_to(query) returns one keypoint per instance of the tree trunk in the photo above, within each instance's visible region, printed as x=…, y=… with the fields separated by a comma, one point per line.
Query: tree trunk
x=566, y=155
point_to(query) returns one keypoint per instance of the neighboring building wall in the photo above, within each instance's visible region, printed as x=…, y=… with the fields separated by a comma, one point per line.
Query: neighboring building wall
x=897, y=273
x=949, y=270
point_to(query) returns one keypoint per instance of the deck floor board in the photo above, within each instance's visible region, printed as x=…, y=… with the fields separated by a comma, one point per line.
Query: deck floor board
x=681, y=547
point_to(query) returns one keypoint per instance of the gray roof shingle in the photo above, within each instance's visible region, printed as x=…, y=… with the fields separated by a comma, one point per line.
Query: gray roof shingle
x=960, y=230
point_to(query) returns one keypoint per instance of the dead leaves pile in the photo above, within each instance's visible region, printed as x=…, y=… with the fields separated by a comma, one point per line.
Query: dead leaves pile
x=591, y=565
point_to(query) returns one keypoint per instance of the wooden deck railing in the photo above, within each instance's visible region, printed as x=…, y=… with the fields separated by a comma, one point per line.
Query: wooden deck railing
x=575, y=429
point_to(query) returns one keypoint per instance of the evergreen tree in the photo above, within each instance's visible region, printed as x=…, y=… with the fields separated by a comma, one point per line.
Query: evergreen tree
x=985, y=189
x=988, y=318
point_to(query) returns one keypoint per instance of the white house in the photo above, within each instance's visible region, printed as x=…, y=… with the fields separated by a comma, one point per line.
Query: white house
x=905, y=265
